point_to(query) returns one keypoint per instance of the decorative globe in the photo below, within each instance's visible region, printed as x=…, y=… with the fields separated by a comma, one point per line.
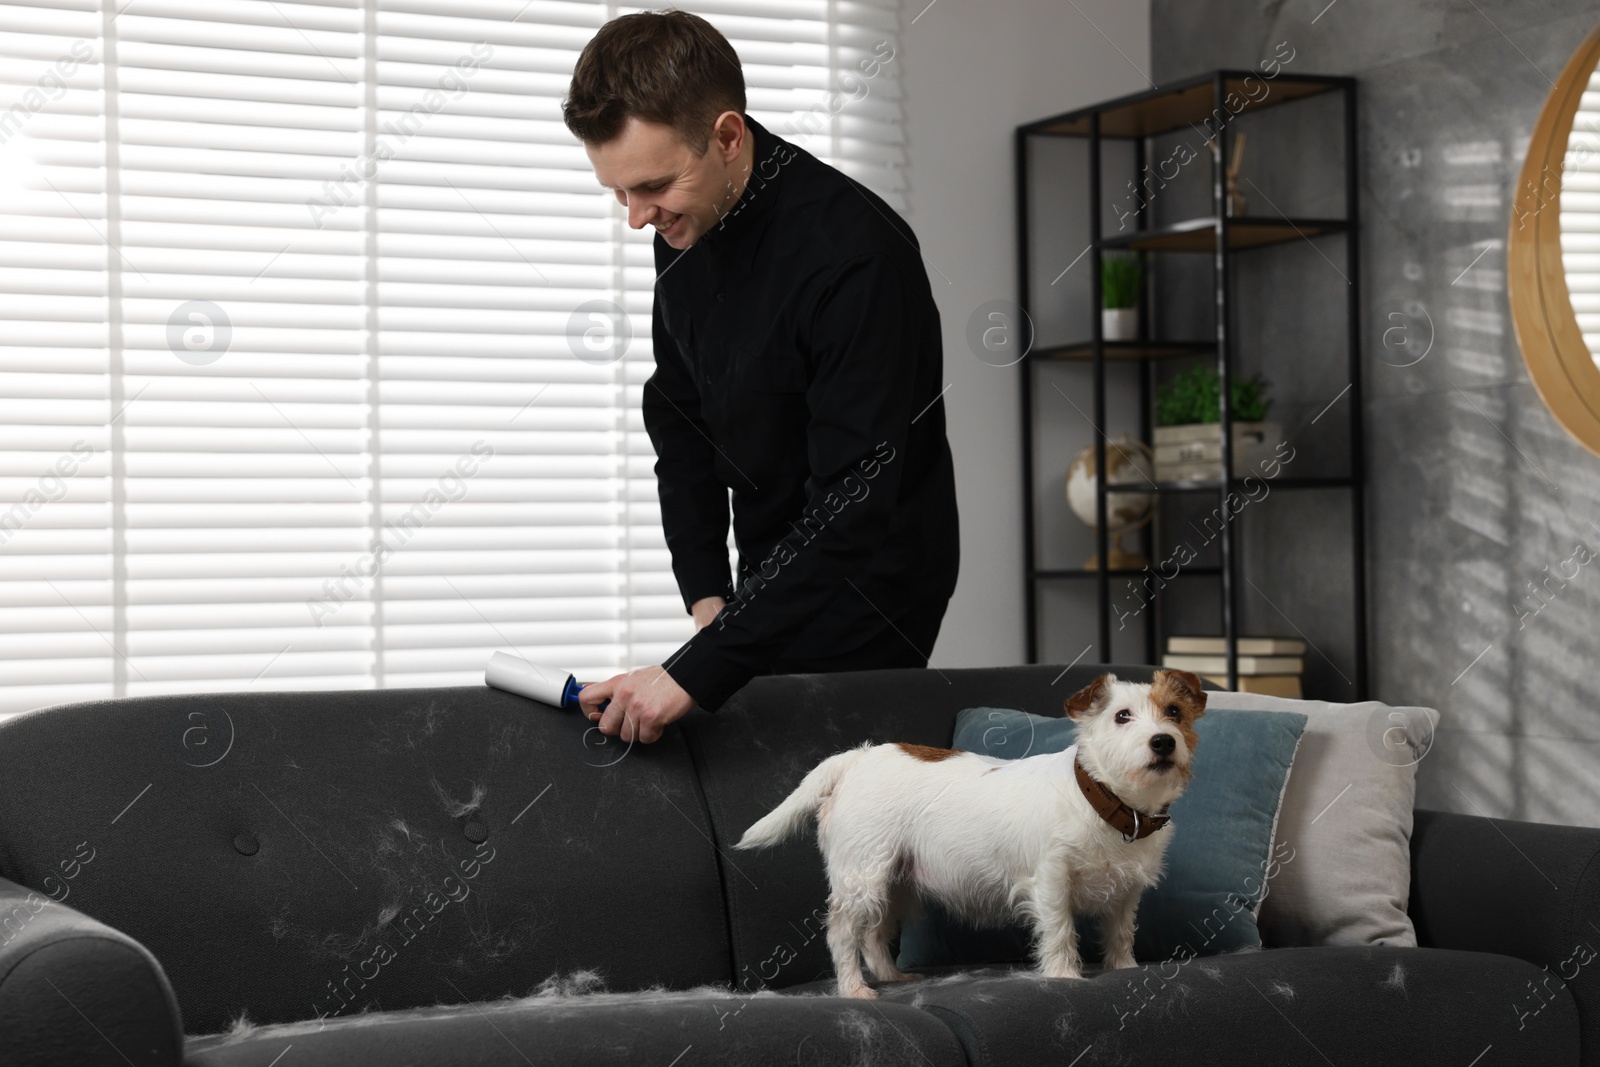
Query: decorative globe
x=1128, y=460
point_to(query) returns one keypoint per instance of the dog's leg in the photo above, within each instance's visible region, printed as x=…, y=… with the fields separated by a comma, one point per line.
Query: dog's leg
x=877, y=946
x=1054, y=934
x=1116, y=931
x=847, y=925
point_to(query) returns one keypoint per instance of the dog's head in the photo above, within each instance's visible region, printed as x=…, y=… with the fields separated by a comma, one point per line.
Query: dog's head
x=1139, y=738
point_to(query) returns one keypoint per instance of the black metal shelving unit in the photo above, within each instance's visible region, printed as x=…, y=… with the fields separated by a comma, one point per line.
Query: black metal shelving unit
x=1137, y=118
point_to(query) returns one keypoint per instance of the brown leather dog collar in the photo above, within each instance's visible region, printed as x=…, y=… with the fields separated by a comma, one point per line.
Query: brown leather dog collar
x=1132, y=825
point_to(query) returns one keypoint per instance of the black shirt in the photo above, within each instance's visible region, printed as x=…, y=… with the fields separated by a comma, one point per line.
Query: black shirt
x=799, y=364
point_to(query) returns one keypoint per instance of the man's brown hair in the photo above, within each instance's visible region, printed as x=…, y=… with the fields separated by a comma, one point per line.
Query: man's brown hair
x=666, y=67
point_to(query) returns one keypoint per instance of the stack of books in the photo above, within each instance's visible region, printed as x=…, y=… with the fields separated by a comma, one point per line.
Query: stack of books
x=1270, y=665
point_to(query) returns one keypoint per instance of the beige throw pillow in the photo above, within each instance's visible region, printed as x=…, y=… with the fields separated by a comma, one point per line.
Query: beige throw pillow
x=1344, y=831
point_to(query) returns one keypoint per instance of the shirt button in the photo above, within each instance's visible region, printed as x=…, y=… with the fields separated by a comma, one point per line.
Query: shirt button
x=719, y=296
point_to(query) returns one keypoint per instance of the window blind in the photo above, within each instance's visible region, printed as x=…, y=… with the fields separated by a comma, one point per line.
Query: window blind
x=308, y=368
x=1580, y=215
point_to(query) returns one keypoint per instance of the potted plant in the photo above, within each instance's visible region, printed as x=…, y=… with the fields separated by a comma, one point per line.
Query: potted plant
x=1188, y=434
x=1120, y=274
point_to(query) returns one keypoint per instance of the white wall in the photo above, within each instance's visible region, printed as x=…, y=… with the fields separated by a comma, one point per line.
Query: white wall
x=973, y=71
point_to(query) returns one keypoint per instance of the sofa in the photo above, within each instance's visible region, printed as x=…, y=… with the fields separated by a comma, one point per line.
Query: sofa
x=463, y=876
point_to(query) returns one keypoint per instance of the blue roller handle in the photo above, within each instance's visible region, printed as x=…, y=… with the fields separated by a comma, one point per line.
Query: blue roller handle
x=569, y=699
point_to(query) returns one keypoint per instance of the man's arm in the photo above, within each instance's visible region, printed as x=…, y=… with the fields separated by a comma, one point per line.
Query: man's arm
x=694, y=503
x=864, y=339
x=704, y=610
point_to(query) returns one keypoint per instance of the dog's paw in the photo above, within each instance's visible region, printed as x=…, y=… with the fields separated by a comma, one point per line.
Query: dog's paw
x=1061, y=972
x=858, y=992
x=1120, y=963
x=897, y=976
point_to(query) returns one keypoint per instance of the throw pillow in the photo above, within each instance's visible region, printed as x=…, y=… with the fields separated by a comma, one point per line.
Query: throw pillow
x=1346, y=822
x=1216, y=868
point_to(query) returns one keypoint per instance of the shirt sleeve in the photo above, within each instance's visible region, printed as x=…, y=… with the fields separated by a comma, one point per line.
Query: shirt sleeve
x=864, y=337
x=694, y=502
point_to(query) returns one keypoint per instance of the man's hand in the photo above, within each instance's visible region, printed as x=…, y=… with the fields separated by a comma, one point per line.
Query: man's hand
x=705, y=609
x=643, y=703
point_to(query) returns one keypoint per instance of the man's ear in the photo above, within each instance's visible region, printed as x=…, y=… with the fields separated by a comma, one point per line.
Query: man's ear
x=1091, y=699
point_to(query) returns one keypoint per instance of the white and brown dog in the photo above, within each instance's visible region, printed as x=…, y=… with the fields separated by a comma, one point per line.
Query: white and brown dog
x=1044, y=838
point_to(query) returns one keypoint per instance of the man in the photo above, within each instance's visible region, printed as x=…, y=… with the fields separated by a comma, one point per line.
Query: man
x=798, y=364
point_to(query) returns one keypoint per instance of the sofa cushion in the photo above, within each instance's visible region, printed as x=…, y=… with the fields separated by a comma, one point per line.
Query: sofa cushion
x=1347, y=820
x=753, y=751
x=290, y=854
x=1301, y=1006
x=1215, y=870
x=701, y=1026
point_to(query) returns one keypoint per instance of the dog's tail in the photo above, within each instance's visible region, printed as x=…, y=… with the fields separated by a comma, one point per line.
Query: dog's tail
x=788, y=817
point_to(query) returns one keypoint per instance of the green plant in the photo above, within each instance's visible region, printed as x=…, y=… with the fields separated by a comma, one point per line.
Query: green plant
x=1119, y=280
x=1195, y=395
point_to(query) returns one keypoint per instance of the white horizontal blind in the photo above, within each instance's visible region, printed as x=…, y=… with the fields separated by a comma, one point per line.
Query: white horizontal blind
x=58, y=575
x=302, y=378
x=1580, y=215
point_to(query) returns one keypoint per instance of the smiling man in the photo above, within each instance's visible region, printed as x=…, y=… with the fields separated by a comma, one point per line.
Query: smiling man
x=798, y=365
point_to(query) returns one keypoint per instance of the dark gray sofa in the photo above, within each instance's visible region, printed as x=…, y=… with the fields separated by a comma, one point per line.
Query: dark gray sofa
x=462, y=876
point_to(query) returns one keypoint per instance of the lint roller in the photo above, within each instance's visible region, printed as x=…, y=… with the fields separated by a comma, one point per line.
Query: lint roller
x=534, y=681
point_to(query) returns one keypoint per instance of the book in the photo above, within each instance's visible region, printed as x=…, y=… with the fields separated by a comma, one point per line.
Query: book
x=1248, y=646
x=1273, y=685
x=1247, y=664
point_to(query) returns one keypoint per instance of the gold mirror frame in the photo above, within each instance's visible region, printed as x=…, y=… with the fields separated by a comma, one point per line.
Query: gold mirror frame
x=1559, y=361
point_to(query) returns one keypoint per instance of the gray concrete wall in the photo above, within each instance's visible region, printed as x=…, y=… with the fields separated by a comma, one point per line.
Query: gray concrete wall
x=1475, y=490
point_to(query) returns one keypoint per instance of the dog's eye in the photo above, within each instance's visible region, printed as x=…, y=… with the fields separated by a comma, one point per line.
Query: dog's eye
x=1172, y=710
x=1123, y=715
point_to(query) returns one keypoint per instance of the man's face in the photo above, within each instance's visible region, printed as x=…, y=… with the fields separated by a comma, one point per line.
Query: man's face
x=665, y=185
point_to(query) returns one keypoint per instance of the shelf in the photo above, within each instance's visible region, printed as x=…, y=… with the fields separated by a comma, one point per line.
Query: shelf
x=1215, y=484
x=1072, y=572
x=1119, y=140
x=1126, y=350
x=1187, y=104
x=1200, y=235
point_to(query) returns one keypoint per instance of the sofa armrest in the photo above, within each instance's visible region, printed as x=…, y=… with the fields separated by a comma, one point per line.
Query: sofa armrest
x=1529, y=890
x=73, y=990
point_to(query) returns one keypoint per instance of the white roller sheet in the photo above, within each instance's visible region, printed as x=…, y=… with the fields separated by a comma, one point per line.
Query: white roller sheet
x=535, y=681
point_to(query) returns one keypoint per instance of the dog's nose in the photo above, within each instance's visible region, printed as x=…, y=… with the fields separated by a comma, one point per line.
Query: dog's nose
x=1162, y=744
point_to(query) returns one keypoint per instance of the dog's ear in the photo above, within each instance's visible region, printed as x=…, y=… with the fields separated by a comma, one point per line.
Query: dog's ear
x=1184, y=686
x=1091, y=699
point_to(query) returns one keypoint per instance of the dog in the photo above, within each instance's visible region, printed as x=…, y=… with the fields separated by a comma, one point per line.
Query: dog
x=1043, y=838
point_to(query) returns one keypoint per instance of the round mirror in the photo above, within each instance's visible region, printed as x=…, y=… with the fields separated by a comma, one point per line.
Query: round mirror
x=1553, y=255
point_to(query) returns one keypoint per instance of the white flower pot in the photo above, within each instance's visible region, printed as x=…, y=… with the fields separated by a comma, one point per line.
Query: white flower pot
x=1119, y=324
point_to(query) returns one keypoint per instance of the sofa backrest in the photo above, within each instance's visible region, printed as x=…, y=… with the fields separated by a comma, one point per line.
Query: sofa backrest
x=756, y=749
x=291, y=854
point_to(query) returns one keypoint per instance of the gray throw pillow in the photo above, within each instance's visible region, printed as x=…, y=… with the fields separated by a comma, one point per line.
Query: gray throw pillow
x=1347, y=817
